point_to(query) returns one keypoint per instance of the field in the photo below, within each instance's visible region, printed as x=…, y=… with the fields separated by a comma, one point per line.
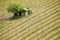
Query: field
x=42, y=24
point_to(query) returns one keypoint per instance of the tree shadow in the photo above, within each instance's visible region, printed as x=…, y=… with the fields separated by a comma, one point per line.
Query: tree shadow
x=11, y=18
x=16, y=17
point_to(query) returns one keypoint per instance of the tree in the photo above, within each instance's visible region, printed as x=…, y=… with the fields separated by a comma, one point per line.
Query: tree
x=17, y=9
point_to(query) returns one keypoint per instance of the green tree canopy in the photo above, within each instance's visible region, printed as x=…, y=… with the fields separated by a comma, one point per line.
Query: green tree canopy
x=14, y=7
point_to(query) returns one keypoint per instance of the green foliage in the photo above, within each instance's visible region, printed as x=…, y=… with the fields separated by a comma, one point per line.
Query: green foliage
x=18, y=9
x=29, y=12
x=14, y=7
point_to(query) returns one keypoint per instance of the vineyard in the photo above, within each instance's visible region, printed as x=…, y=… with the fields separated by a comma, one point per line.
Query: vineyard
x=42, y=24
